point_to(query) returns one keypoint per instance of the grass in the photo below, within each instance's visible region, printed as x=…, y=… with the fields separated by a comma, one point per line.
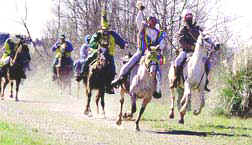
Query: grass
x=215, y=129
x=11, y=134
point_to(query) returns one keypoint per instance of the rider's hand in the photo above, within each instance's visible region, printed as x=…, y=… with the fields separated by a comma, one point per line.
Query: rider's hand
x=126, y=46
x=217, y=46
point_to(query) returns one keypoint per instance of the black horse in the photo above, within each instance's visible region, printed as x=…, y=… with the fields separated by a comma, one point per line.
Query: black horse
x=14, y=71
x=97, y=79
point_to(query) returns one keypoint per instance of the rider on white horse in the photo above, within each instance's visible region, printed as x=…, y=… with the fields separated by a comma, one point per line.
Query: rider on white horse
x=149, y=36
x=187, y=38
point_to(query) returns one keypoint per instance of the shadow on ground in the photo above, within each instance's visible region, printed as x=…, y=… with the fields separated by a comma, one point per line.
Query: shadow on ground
x=195, y=133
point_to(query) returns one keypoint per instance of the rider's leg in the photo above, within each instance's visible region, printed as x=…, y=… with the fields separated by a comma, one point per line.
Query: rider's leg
x=90, y=59
x=207, y=66
x=59, y=62
x=126, y=68
x=158, y=93
x=178, y=61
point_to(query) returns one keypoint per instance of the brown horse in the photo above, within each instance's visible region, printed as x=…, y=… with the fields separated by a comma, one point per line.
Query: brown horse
x=64, y=76
x=14, y=71
x=96, y=79
x=141, y=84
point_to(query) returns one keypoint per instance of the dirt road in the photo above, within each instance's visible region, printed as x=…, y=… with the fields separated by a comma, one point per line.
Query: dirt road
x=42, y=110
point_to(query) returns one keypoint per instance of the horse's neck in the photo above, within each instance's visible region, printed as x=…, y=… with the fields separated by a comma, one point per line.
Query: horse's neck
x=199, y=54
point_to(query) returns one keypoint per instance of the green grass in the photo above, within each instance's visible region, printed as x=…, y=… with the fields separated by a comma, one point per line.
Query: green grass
x=215, y=129
x=11, y=134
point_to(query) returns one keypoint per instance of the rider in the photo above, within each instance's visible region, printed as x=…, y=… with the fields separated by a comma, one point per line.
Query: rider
x=63, y=49
x=10, y=47
x=104, y=38
x=187, y=38
x=148, y=36
x=78, y=65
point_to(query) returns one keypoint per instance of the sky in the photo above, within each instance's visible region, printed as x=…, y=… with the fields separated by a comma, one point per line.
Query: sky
x=12, y=11
x=40, y=11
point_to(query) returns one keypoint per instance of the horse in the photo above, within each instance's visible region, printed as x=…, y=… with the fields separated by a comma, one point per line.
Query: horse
x=194, y=76
x=96, y=79
x=141, y=84
x=65, y=74
x=13, y=71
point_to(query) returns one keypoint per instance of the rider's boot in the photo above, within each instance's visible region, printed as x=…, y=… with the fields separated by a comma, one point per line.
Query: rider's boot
x=115, y=83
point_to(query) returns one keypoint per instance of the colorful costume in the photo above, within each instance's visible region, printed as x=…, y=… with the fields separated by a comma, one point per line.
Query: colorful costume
x=107, y=39
x=148, y=37
x=63, y=51
x=10, y=47
x=188, y=36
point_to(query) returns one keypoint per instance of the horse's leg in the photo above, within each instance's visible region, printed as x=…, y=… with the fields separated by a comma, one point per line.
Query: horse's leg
x=184, y=102
x=1, y=85
x=11, y=82
x=78, y=89
x=171, y=114
x=102, y=101
x=4, y=87
x=202, y=102
x=133, y=107
x=70, y=87
x=122, y=93
x=88, y=110
x=97, y=99
x=17, y=88
x=144, y=104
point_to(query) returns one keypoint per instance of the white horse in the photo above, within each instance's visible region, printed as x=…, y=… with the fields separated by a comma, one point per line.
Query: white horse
x=194, y=79
x=142, y=85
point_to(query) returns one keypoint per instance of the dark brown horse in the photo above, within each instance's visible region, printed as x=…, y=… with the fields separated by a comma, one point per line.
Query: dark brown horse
x=96, y=79
x=14, y=71
x=64, y=76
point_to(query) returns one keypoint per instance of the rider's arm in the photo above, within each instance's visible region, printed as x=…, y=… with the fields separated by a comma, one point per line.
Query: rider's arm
x=93, y=43
x=118, y=39
x=55, y=46
x=69, y=47
x=84, y=51
x=140, y=20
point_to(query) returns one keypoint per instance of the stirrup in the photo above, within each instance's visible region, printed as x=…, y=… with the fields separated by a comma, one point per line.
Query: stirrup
x=117, y=82
x=157, y=95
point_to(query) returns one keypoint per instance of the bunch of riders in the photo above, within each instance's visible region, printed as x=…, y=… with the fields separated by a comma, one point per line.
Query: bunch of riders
x=148, y=36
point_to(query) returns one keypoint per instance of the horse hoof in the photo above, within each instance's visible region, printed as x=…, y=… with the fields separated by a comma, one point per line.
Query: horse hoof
x=171, y=115
x=137, y=129
x=196, y=112
x=17, y=100
x=11, y=96
x=2, y=98
x=86, y=112
x=181, y=121
x=118, y=122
